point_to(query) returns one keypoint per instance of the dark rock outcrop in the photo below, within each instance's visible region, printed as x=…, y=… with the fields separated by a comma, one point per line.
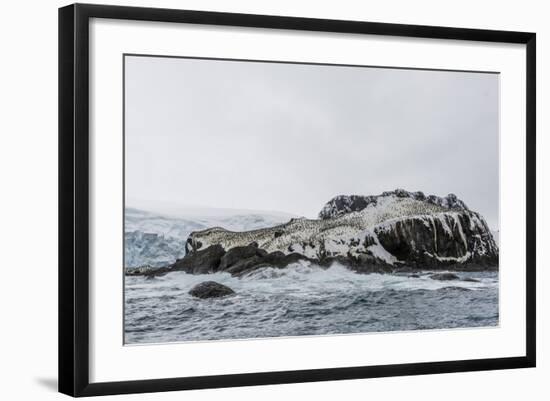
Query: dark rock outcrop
x=454, y=288
x=448, y=240
x=237, y=255
x=210, y=289
x=396, y=231
x=237, y=261
x=402, y=230
x=343, y=204
x=202, y=261
x=444, y=276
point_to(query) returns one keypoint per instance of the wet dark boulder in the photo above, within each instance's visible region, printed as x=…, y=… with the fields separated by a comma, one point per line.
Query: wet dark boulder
x=360, y=264
x=245, y=265
x=279, y=259
x=210, y=289
x=444, y=276
x=156, y=273
x=263, y=259
x=238, y=254
x=237, y=261
x=202, y=261
x=454, y=288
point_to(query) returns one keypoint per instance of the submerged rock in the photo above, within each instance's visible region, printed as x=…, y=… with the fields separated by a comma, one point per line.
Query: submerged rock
x=444, y=276
x=210, y=289
x=139, y=270
x=453, y=288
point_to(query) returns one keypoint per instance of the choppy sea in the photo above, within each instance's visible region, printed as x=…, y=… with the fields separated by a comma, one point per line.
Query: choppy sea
x=305, y=299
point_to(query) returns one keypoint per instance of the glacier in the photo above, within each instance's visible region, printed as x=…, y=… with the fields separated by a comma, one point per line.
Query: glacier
x=154, y=239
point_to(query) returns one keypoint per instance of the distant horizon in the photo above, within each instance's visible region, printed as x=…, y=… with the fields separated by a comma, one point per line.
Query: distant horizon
x=171, y=209
x=174, y=210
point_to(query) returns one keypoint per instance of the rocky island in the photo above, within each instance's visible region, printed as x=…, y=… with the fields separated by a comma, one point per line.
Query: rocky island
x=395, y=231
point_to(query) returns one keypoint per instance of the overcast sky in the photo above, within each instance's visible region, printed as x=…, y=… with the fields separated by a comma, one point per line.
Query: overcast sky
x=288, y=137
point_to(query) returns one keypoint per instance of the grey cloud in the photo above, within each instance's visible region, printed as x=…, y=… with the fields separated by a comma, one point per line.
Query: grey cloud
x=289, y=137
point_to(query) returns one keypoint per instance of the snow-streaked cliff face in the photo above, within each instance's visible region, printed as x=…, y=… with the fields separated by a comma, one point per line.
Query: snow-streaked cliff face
x=394, y=228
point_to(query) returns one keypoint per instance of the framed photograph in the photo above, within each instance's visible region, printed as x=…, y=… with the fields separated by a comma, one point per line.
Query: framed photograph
x=251, y=199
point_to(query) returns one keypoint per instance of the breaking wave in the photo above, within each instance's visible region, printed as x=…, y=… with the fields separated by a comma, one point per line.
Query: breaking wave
x=305, y=299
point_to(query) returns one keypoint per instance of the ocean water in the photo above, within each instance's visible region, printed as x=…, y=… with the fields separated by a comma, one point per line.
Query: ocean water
x=304, y=299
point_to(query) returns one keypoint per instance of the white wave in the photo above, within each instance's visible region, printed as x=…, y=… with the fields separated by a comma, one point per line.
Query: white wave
x=304, y=279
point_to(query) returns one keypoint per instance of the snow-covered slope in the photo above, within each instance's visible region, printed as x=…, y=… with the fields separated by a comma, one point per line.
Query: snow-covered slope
x=157, y=240
x=343, y=204
x=394, y=228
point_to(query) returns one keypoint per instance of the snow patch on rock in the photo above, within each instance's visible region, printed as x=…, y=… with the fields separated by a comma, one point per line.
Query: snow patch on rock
x=397, y=227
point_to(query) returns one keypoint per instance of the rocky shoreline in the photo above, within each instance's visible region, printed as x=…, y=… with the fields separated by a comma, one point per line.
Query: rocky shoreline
x=396, y=231
x=240, y=261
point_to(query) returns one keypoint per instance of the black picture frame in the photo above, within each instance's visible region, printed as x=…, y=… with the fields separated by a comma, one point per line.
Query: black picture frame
x=74, y=198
